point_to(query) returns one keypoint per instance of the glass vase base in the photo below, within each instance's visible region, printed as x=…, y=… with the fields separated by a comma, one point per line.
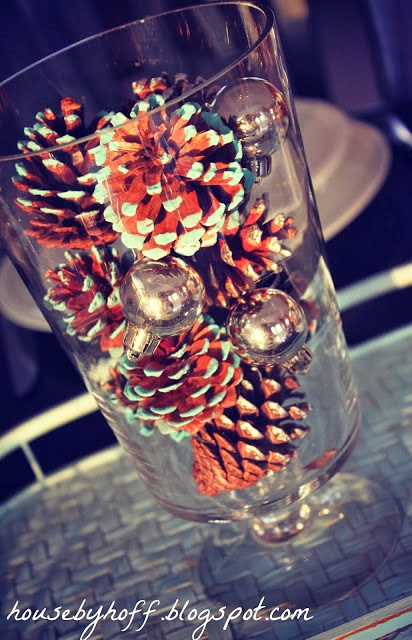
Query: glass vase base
x=328, y=547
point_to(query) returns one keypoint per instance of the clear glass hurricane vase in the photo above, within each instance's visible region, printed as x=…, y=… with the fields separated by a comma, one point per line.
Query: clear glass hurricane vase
x=155, y=197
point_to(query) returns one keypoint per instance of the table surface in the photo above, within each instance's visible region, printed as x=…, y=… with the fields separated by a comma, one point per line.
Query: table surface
x=93, y=532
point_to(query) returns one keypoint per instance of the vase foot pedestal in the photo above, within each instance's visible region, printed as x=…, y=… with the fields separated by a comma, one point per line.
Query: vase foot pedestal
x=316, y=554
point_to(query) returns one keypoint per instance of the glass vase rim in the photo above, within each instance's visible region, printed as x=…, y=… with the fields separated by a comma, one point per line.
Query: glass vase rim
x=255, y=4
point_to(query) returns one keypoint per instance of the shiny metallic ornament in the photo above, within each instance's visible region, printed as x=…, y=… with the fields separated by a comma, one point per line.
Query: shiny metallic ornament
x=269, y=328
x=159, y=298
x=259, y=116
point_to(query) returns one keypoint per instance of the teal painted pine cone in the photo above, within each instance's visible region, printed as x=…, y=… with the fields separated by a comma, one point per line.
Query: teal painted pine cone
x=170, y=182
x=56, y=189
x=181, y=389
x=85, y=292
x=244, y=255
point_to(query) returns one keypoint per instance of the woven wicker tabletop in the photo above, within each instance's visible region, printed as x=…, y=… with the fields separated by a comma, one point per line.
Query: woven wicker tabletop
x=93, y=532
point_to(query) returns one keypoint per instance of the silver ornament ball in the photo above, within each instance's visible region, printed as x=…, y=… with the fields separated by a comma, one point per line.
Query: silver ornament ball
x=268, y=327
x=258, y=114
x=159, y=298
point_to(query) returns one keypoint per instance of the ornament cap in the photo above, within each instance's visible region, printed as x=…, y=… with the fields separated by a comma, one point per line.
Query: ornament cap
x=299, y=363
x=139, y=342
x=261, y=167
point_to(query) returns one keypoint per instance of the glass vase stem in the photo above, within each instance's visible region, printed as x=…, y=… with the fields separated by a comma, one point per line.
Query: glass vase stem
x=282, y=525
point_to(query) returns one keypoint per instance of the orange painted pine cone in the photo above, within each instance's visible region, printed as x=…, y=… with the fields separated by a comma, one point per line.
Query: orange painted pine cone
x=255, y=437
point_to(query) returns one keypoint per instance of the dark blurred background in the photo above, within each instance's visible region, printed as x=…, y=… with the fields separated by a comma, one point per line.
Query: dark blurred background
x=357, y=54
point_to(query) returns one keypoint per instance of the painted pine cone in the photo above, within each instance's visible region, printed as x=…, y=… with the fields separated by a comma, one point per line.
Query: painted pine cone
x=257, y=436
x=244, y=254
x=57, y=189
x=115, y=387
x=117, y=381
x=184, y=389
x=146, y=87
x=170, y=182
x=85, y=291
x=163, y=85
